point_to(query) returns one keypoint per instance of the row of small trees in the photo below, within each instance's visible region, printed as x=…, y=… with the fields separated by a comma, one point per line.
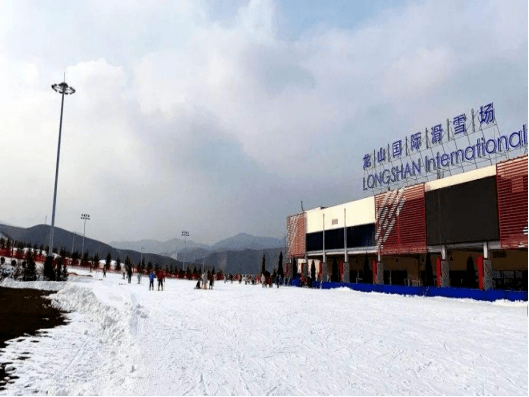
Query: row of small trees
x=54, y=269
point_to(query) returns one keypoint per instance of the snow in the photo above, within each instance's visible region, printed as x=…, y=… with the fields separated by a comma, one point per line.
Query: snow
x=244, y=339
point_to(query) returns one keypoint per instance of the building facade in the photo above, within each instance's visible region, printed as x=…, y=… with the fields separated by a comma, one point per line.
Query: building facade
x=470, y=229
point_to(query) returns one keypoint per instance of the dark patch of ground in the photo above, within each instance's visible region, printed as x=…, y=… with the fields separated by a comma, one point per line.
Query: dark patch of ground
x=23, y=312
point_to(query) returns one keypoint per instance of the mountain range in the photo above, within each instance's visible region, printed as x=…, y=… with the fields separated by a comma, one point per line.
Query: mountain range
x=241, y=241
x=238, y=254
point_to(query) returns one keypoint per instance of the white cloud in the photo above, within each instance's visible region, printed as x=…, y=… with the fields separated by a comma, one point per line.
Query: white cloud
x=176, y=111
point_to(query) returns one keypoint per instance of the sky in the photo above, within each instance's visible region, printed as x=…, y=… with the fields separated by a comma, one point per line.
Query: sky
x=220, y=117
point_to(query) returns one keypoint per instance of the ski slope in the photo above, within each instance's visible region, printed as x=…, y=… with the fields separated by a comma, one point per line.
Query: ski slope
x=247, y=340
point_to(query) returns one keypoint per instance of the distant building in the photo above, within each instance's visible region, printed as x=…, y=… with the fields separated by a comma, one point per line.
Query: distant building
x=481, y=214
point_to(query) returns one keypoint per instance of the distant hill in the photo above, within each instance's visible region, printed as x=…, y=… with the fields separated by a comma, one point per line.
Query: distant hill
x=243, y=241
x=64, y=239
x=226, y=255
x=158, y=247
x=246, y=261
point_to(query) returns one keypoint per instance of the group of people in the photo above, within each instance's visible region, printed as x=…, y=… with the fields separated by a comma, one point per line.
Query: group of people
x=266, y=281
x=160, y=276
x=274, y=279
x=128, y=273
x=205, y=281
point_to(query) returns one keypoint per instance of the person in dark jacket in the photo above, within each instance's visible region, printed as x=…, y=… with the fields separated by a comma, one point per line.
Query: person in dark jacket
x=160, y=279
x=151, y=280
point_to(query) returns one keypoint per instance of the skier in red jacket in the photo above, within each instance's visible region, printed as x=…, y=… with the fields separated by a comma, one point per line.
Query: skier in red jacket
x=159, y=276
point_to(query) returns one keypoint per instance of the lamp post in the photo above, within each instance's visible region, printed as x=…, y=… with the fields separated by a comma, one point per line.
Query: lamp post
x=62, y=89
x=85, y=217
x=73, y=240
x=185, y=235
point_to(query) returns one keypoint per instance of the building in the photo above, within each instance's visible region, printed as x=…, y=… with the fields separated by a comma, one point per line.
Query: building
x=471, y=227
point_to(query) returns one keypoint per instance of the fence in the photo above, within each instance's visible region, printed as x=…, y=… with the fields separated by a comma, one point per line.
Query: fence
x=447, y=292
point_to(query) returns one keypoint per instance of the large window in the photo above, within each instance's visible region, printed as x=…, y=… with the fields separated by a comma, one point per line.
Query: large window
x=357, y=236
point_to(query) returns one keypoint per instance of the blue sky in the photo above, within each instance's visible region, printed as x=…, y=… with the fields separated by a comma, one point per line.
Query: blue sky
x=220, y=117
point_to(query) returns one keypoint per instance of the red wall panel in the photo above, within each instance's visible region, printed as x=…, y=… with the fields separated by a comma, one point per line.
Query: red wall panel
x=296, y=230
x=511, y=180
x=400, y=225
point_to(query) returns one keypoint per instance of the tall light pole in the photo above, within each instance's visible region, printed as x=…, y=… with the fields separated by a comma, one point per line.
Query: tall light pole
x=85, y=217
x=73, y=240
x=185, y=234
x=62, y=89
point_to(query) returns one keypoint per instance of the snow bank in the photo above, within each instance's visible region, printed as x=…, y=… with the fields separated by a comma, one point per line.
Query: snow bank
x=41, y=285
x=247, y=340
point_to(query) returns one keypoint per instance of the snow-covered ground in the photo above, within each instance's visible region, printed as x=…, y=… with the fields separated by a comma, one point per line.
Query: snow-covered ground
x=244, y=339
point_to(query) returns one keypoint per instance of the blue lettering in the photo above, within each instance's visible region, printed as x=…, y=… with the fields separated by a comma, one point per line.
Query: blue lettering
x=400, y=172
x=371, y=182
x=487, y=146
x=385, y=176
x=518, y=144
x=407, y=170
x=378, y=179
x=394, y=174
x=457, y=153
x=506, y=143
x=428, y=164
x=472, y=149
x=416, y=167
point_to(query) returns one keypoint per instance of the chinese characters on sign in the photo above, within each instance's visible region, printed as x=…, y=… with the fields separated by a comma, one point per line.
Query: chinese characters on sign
x=417, y=140
x=413, y=161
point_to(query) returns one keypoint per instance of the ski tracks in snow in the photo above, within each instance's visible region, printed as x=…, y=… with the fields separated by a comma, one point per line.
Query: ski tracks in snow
x=246, y=340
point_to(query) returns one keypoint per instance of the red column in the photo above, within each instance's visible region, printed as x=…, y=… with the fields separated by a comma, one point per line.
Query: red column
x=341, y=271
x=480, y=271
x=438, y=270
x=374, y=267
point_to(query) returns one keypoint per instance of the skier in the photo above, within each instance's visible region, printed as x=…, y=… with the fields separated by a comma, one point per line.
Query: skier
x=139, y=278
x=211, y=281
x=129, y=273
x=160, y=279
x=104, y=272
x=198, y=284
x=204, y=280
x=263, y=280
x=151, y=280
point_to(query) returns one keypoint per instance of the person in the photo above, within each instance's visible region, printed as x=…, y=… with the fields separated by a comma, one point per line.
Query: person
x=123, y=274
x=151, y=280
x=129, y=272
x=263, y=280
x=104, y=272
x=225, y=278
x=160, y=279
x=211, y=281
x=198, y=284
x=139, y=278
x=204, y=280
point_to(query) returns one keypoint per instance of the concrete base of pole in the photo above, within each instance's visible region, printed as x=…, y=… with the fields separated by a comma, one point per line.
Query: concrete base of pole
x=324, y=272
x=380, y=273
x=445, y=271
x=345, y=277
x=487, y=274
